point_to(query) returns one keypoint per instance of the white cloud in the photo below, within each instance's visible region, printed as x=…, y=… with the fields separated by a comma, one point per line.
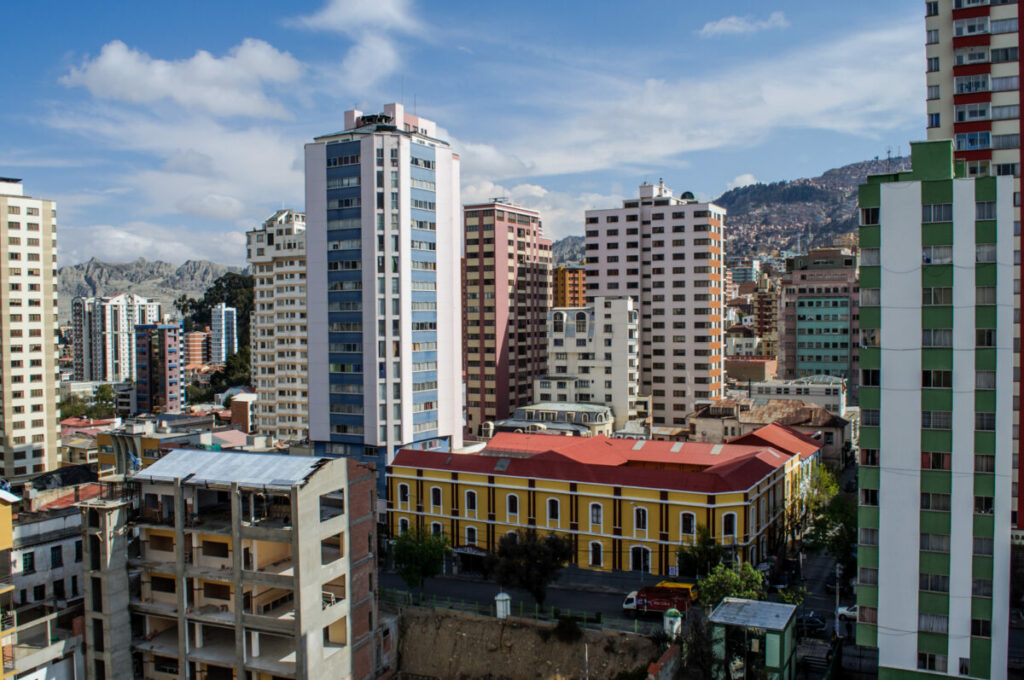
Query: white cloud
x=351, y=16
x=373, y=58
x=225, y=86
x=738, y=25
x=744, y=180
x=133, y=240
x=561, y=212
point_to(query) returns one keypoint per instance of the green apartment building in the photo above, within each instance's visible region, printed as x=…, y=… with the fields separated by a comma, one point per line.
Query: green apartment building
x=936, y=315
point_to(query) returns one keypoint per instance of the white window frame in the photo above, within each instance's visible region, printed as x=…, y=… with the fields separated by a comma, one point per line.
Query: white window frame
x=600, y=516
x=408, y=496
x=475, y=503
x=473, y=540
x=440, y=492
x=636, y=515
x=682, y=532
x=508, y=513
x=600, y=554
x=735, y=529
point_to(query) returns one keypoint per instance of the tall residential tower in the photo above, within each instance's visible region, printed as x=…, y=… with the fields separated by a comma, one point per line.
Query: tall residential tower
x=507, y=300
x=28, y=335
x=666, y=253
x=936, y=418
x=223, y=333
x=104, y=334
x=277, y=254
x=383, y=235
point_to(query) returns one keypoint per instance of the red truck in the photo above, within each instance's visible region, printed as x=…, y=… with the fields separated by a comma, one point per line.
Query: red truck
x=654, y=599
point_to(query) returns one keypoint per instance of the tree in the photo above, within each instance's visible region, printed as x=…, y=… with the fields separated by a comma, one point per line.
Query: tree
x=726, y=581
x=234, y=290
x=528, y=561
x=72, y=407
x=698, y=558
x=834, y=530
x=821, y=489
x=104, y=394
x=419, y=555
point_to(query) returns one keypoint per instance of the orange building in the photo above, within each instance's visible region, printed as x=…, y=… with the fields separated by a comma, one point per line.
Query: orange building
x=570, y=286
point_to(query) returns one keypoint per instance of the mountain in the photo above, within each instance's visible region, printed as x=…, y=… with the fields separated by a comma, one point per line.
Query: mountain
x=567, y=250
x=798, y=214
x=158, y=281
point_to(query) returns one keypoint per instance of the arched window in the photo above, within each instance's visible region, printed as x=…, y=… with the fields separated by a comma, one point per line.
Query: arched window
x=470, y=535
x=471, y=501
x=403, y=526
x=512, y=504
x=513, y=537
x=436, y=529
x=640, y=559
x=595, y=513
x=581, y=322
x=435, y=497
x=596, y=554
x=688, y=523
x=558, y=323
x=553, y=509
x=729, y=524
x=640, y=519
x=403, y=493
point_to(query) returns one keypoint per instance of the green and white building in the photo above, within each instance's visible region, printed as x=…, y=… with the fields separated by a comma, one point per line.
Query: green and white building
x=936, y=319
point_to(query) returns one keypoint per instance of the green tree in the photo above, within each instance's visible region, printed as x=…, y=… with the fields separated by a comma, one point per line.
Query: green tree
x=698, y=559
x=529, y=561
x=834, y=531
x=821, y=489
x=419, y=555
x=234, y=290
x=795, y=595
x=73, y=407
x=731, y=581
x=104, y=395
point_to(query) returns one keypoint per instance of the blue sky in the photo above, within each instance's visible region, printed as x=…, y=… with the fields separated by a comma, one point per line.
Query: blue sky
x=165, y=130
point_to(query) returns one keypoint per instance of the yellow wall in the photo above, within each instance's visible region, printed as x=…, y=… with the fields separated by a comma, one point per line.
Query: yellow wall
x=663, y=534
x=6, y=527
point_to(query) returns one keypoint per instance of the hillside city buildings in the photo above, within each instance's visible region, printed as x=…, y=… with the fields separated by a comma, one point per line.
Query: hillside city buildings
x=504, y=315
x=666, y=253
x=28, y=350
x=223, y=333
x=937, y=342
x=276, y=252
x=383, y=235
x=104, y=335
x=974, y=98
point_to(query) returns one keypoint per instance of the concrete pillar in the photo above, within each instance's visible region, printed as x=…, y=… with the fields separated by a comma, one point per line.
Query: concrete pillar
x=199, y=635
x=255, y=643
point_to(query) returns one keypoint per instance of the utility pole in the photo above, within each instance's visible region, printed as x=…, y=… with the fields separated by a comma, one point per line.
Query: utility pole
x=839, y=573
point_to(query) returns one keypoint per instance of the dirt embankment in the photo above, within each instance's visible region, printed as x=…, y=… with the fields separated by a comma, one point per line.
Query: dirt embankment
x=454, y=645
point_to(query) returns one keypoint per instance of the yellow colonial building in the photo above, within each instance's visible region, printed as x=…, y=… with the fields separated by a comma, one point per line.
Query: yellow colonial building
x=625, y=504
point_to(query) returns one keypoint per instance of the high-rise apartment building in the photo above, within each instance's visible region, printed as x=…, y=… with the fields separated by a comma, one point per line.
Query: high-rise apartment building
x=507, y=297
x=28, y=348
x=936, y=418
x=159, y=387
x=197, y=347
x=972, y=54
x=817, y=311
x=383, y=235
x=223, y=333
x=277, y=255
x=233, y=565
x=593, y=357
x=570, y=285
x=666, y=253
x=104, y=335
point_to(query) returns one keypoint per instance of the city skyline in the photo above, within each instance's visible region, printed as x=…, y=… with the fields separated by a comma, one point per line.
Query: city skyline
x=175, y=149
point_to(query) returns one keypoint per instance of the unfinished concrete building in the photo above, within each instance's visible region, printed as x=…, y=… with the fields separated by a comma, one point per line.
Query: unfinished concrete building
x=233, y=565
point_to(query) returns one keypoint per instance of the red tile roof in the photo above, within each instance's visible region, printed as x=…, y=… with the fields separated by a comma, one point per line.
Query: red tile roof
x=696, y=467
x=85, y=492
x=781, y=437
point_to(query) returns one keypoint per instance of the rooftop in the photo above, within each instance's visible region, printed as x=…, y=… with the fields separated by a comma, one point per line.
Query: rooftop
x=735, y=611
x=223, y=468
x=564, y=406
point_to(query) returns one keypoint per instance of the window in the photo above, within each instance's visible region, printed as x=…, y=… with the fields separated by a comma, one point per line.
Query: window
x=870, y=257
x=935, y=461
x=403, y=493
x=931, y=297
x=935, y=542
x=985, y=421
x=968, y=113
x=869, y=457
x=1002, y=54
x=869, y=497
x=931, y=662
x=982, y=545
x=870, y=297
x=984, y=463
x=1011, y=141
x=937, y=337
x=971, y=141
x=1003, y=25
x=581, y=322
x=931, y=9
x=435, y=498
x=869, y=417
x=985, y=337
x=28, y=563
x=931, y=36
x=936, y=420
x=1005, y=83
x=553, y=509
x=933, y=623
x=403, y=526
x=972, y=26
x=596, y=554
x=436, y=529
x=933, y=64
x=933, y=92
x=985, y=253
x=937, y=379
x=981, y=587
x=867, y=576
x=937, y=255
x=471, y=501
x=470, y=535
x=869, y=216
x=688, y=524
x=868, y=536
x=640, y=519
x=870, y=377
x=985, y=380
x=595, y=513
x=938, y=502
x=56, y=556
x=935, y=583
x=512, y=504
x=729, y=524
x=970, y=84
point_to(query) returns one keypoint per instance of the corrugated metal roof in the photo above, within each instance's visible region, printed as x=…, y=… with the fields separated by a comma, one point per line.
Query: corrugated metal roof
x=735, y=611
x=224, y=468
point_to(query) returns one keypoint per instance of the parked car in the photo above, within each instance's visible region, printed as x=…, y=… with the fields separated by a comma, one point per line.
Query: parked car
x=810, y=625
x=847, y=613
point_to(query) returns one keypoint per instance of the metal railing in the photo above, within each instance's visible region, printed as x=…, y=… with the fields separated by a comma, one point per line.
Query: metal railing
x=591, y=620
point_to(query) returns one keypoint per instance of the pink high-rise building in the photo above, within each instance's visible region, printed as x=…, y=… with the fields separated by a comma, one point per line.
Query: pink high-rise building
x=507, y=284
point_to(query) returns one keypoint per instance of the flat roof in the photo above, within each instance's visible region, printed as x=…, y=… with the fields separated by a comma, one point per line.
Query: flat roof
x=735, y=611
x=223, y=468
x=566, y=406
